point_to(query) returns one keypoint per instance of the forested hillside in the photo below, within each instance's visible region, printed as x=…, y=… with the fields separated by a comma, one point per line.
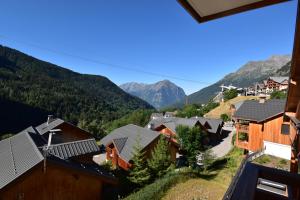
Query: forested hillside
x=91, y=100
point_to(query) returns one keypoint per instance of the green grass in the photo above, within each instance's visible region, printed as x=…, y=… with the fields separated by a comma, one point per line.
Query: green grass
x=193, y=184
x=157, y=189
x=273, y=162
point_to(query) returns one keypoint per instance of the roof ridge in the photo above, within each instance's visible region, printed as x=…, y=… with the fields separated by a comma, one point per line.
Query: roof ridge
x=72, y=142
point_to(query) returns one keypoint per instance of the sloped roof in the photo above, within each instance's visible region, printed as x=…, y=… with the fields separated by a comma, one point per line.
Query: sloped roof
x=22, y=152
x=18, y=154
x=76, y=148
x=252, y=110
x=215, y=124
x=279, y=79
x=172, y=122
x=125, y=138
x=45, y=127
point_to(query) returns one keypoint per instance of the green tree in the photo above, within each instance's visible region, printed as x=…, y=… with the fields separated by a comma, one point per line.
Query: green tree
x=207, y=159
x=160, y=158
x=140, y=173
x=278, y=95
x=230, y=94
x=224, y=117
x=190, y=140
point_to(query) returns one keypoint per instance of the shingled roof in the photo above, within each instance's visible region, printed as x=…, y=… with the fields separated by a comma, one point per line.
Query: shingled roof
x=252, y=110
x=279, y=79
x=18, y=154
x=23, y=151
x=125, y=139
x=172, y=122
x=46, y=127
x=76, y=148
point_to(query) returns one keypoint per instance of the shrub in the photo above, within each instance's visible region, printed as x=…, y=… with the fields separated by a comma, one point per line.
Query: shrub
x=224, y=117
x=243, y=136
x=230, y=94
x=157, y=189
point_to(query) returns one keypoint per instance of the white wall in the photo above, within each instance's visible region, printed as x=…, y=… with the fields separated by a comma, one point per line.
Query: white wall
x=278, y=150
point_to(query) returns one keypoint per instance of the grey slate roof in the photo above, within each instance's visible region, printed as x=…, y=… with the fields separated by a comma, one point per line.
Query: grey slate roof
x=279, y=79
x=18, y=154
x=44, y=128
x=125, y=139
x=76, y=148
x=252, y=110
x=23, y=151
x=173, y=122
x=238, y=105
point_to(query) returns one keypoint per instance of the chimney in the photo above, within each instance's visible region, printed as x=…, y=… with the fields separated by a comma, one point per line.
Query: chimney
x=50, y=119
x=150, y=126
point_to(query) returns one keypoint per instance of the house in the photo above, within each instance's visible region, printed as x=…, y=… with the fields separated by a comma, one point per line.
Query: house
x=167, y=126
x=247, y=184
x=34, y=168
x=260, y=125
x=156, y=115
x=121, y=143
x=276, y=84
x=67, y=131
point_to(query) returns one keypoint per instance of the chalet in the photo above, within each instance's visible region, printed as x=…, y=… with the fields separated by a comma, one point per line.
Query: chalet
x=259, y=125
x=253, y=181
x=120, y=144
x=167, y=126
x=34, y=168
x=67, y=131
x=276, y=84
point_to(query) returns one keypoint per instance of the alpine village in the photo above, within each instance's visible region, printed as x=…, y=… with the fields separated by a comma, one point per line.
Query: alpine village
x=67, y=135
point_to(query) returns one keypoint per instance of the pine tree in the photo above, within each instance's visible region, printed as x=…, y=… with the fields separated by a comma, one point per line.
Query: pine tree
x=160, y=158
x=139, y=174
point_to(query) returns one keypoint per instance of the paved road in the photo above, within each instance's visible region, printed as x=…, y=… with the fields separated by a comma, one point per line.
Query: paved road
x=225, y=145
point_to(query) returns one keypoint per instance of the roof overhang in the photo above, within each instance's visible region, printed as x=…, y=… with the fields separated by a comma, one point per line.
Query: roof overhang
x=205, y=10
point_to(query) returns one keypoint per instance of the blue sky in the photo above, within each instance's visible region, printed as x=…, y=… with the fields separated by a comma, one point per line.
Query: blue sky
x=156, y=36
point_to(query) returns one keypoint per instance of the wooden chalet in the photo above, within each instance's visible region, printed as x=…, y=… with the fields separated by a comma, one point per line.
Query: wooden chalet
x=167, y=126
x=253, y=181
x=34, y=168
x=259, y=126
x=276, y=84
x=120, y=144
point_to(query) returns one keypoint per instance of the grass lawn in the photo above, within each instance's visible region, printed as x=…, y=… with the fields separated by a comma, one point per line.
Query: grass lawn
x=273, y=162
x=211, y=185
x=224, y=107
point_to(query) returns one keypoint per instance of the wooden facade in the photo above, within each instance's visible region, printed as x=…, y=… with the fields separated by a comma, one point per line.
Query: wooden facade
x=113, y=155
x=269, y=130
x=55, y=183
x=70, y=133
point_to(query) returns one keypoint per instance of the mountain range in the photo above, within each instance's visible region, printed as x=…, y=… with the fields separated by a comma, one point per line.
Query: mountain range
x=160, y=95
x=248, y=74
x=40, y=86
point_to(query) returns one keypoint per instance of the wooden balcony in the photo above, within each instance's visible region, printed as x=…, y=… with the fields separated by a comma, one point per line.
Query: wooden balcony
x=242, y=128
x=242, y=144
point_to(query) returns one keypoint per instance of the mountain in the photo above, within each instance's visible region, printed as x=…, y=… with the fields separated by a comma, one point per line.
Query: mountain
x=161, y=94
x=90, y=100
x=251, y=72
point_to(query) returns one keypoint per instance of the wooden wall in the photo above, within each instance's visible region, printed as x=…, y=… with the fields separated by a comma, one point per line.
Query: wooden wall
x=267, y=131
x=70, y=133
x=272, y=132
x=57, y=183
x=255, y=140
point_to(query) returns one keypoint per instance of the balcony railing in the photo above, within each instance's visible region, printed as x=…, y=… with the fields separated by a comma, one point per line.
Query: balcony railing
x=242, y=144
x=242, y=127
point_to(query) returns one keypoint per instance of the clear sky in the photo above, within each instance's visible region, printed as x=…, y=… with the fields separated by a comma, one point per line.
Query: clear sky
x=156, y=36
